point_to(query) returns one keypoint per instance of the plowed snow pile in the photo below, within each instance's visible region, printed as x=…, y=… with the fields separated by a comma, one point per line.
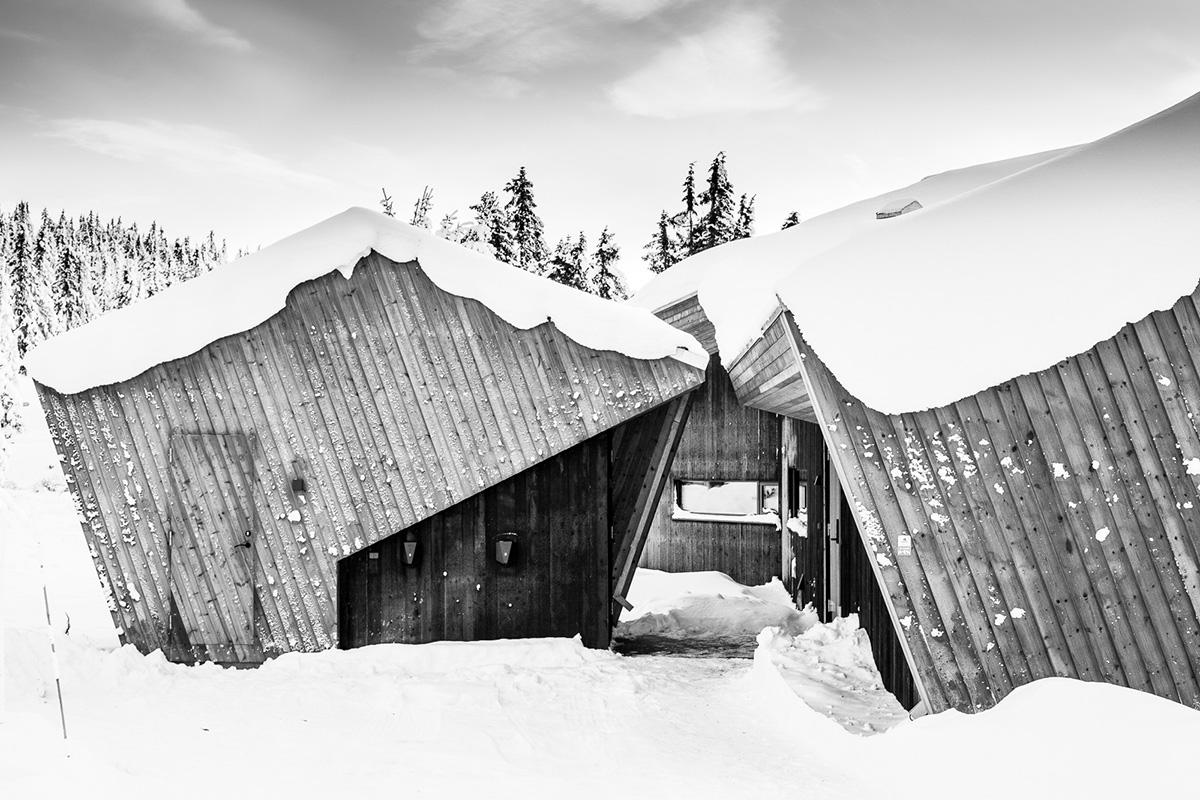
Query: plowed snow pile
x=707, y=604
x=828, y=666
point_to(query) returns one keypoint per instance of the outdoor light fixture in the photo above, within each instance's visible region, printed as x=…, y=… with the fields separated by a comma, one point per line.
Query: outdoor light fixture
x=410, y=551
x=506, y=544
x=298, y=486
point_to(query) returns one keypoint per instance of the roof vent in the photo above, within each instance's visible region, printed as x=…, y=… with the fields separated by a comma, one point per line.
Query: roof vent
x=897, y=207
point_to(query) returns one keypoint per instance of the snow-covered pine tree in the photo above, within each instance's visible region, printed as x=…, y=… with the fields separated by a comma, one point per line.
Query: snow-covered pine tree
x=422, y=209
x=133, y=279
x=155, y=263
x=568, y=264
x=686, y=221
x=21, y=240
x=68, y=278
x=662, y=251
x=604, y=279
x=465, y=233
x=529, y=243
x=386, y=204
x=743, y=226
x=10, y=421
x=494, y=226
x=41, y=322
x=792, y=220
x=717, y=219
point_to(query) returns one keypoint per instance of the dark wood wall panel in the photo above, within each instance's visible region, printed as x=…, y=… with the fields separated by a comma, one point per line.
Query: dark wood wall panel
x=861, y=595
x=1054, y=519
x=390, y=398
x=723, y=440
x=556, y=584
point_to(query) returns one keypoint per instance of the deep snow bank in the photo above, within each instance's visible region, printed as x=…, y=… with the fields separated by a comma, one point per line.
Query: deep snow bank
x=1056, y=737
x=239, y=295
x=830, y=667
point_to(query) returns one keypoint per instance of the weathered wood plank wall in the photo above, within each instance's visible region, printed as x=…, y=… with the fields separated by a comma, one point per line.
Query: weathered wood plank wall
x=389, y=398
x=1052, y=522
x=557, y=583
x=726, y=441
x=767, y=376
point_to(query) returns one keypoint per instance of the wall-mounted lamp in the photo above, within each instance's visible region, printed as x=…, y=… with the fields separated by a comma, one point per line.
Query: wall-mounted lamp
x=411, y=551
x=506, y=548
x=298, y=486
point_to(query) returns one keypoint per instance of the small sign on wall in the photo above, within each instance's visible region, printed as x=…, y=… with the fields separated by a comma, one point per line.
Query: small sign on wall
x=904, y=545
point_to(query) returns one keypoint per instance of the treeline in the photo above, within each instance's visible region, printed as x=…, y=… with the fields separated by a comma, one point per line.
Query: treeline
x=712, y=213
x=58, y=272
x=507, y=227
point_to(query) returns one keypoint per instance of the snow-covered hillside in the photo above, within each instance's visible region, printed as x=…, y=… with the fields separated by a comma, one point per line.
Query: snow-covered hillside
x=529, y=719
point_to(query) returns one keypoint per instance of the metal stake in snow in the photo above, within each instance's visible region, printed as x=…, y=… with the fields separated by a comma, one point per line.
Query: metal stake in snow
x=62, y=714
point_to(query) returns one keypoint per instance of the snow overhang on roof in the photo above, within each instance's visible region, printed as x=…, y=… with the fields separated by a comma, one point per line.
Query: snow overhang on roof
x=1009, y=267
x=239, y=295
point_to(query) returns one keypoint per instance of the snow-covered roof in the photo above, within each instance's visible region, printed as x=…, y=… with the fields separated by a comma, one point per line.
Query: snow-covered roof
x=793, y=246
x=1008, y=268
x=239, y=295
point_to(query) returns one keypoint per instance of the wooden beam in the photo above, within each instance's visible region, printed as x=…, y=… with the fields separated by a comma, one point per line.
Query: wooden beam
x=842, y=466
x=629, y=551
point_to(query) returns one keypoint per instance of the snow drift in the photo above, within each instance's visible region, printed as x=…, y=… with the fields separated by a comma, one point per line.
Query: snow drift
x=239, y=295
x=707, y=604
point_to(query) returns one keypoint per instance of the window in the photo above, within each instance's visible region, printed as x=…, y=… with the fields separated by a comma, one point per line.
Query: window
x=734, y=501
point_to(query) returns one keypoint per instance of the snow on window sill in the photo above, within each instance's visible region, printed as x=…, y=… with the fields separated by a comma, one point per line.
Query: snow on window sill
x=682, y=515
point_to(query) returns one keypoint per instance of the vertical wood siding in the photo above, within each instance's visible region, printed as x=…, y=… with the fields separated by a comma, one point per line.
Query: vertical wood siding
x=557, y=583
x=1054, y=519
x=726, y=441
x=391, y=399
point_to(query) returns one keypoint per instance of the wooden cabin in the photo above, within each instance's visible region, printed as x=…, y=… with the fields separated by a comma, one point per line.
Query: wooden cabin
x=1019, y=481
x=365, y=434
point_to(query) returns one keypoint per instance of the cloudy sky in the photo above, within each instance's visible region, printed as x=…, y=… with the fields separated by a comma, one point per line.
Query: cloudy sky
x=256, y=118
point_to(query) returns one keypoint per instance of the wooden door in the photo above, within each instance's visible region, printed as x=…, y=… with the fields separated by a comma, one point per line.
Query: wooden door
x=213, y=542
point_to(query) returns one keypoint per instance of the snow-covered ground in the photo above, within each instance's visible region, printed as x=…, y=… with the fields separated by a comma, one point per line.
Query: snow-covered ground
x=536, y=718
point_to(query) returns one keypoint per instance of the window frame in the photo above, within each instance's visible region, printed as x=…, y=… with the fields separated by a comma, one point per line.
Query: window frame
x=770, y=517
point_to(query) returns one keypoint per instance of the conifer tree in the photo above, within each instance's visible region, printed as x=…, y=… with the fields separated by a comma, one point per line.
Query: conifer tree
x=386, y=204
x=10, y=421
x=661, y=252
x=604, y=280
x=685, y=221
x=422, y=209
x=68, y=277
x=718, y=215
x=568, y=265
x=21, y=241
x=529, y=244
x=41, y=322
x=466, y=233
x=494, y=227
x=792, y=220
x=743, y=227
